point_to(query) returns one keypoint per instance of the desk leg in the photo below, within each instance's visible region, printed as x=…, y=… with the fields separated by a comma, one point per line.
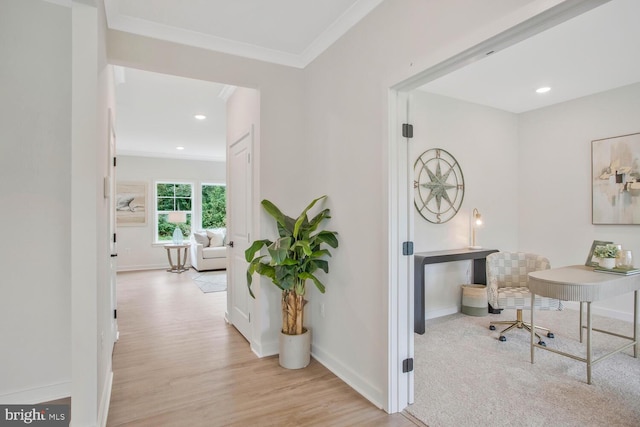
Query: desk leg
x=533, y=328
x=418, y=297
x=480, y=271
x=581, y=303
x=589, y=355
x=635, y=323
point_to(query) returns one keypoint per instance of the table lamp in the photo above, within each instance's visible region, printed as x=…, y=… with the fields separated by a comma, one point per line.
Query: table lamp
x=177, y=218
x=476, y=222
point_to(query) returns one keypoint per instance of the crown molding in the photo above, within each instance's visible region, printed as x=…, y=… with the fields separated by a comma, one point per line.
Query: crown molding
x=340, y=26
x=202, y=158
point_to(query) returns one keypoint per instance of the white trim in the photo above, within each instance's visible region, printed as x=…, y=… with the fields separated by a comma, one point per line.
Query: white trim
x=529, y=27
x=337, y=29
x=105, y=402
x=171, y=156
x=355, y=381
x=36, y=395
x=340, y=26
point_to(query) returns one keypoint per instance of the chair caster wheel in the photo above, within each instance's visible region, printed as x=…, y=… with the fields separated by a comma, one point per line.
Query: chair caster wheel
x=550, y=335
x=492, y=328
x=542, y=343
x=502, y=338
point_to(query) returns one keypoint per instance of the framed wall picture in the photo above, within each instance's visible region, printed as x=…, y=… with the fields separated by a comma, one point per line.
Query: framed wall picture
x=615, y=180
x=131, y=204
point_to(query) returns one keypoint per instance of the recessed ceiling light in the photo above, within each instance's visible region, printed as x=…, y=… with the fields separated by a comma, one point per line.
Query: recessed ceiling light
x=200, y=116
x=179, y=148
x=543, y=89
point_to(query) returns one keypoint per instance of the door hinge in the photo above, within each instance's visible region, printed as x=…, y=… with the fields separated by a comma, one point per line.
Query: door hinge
x=407, y=130
x=114, y=162
x=407, y=248
x=115, y=313
x=407, y=365
x=114, y=238
x=249, y=317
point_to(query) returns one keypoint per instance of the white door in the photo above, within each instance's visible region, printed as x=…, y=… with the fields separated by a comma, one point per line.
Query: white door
x=239, y=223
x=110, y=192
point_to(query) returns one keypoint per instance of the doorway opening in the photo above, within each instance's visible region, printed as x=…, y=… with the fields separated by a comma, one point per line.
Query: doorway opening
x=403, y=228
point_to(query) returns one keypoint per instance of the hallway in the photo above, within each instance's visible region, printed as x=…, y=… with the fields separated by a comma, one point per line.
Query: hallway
x=178, y=363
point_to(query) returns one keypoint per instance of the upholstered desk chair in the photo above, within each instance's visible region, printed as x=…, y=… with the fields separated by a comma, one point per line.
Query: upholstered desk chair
x=507, y=288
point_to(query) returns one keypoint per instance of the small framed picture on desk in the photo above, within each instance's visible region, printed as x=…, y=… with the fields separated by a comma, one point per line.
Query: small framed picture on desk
x=591, y=262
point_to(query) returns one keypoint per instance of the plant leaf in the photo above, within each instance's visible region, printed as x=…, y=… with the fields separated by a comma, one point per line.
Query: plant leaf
x=318, y=283
x=250, y=253
x=303, y=216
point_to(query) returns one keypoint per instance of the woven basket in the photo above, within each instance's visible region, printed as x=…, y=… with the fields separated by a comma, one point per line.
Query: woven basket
x=474, y=300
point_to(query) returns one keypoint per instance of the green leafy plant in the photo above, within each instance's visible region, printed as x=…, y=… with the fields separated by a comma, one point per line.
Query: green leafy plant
x=293, y=259
x=606, y=251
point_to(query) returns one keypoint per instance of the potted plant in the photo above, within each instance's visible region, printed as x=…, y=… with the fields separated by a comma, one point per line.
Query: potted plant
x=292, y=259
x=607, y=255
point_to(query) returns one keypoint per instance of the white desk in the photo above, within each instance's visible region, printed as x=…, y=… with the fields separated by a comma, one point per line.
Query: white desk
x=581, y=283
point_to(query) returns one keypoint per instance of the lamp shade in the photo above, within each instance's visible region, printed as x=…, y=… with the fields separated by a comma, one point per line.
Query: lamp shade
x=177, y=217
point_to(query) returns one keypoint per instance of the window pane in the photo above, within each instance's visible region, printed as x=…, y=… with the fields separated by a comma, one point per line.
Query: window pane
x=165, y=190
x=214, y=206
x=183, y=204
x=165, y=204
x=183, y=190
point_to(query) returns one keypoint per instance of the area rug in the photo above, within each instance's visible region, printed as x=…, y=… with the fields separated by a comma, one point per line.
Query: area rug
x=211, y=281
x=464, y=376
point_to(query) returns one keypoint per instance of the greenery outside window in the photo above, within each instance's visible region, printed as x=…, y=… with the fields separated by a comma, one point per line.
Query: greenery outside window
x=214, y=206
x=171, y=197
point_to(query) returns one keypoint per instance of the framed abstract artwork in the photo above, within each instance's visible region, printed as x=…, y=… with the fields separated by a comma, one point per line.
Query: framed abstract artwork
x=131, y=203
x=615, y=180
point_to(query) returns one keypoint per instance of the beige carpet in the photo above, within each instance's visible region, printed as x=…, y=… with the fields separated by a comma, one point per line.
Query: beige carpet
x=464, y=376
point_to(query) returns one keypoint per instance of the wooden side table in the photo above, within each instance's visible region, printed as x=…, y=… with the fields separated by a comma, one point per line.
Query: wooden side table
x=179, y=266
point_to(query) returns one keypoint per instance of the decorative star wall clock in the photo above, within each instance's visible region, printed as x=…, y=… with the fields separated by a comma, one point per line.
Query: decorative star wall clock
x=439, y=186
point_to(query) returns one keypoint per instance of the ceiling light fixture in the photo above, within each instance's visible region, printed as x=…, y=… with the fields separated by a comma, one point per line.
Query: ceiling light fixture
x=200, y=116
x=179, y=148
x=543, y=89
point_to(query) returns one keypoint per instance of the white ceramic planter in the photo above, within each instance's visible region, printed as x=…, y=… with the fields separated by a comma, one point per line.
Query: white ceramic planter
x=607, y=262
x=295, y=350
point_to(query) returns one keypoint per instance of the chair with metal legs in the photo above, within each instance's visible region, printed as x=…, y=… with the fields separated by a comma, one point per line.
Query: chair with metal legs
x=507, y=288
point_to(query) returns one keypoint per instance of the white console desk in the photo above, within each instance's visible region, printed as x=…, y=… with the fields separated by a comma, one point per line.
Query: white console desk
x=581, y=283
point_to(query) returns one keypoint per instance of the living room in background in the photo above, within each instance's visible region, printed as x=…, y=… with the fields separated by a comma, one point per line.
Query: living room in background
x=172, y=197
x=213, y=206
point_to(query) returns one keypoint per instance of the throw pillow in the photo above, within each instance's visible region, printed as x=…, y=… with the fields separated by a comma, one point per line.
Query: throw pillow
x=216, y=238
x=201, y=238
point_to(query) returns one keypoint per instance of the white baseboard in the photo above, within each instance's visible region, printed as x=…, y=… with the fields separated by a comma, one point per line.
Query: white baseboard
x=601, y=311
x=37, y=395
x=355, y=381
x=432, y=314
x=142, y=267
x=103, y=409
x=266, y=349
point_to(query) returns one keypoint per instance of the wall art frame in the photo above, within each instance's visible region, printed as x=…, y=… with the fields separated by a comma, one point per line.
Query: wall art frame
x=615, y=180
x=131, y=204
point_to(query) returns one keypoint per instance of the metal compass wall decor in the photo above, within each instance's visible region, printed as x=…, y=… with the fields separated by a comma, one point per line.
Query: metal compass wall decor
x=439, y=186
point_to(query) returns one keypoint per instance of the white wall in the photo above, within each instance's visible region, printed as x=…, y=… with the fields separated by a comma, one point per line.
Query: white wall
x=136, y=250
x=555, y=180
x=35, y=162
x=347, y=139
x=485, y=143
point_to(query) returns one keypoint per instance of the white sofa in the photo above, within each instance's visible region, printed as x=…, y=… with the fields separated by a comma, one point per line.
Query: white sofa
x=209, y=249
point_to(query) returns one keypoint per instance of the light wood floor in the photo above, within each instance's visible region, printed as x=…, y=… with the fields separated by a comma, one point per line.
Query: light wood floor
x=178, y=363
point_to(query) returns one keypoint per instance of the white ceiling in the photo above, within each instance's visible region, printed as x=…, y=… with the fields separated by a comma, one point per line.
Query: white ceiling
x=155, y=114
x=594, y=52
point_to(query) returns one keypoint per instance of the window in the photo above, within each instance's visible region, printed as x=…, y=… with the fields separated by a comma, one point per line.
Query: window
x=172, y=197
x=214, y=205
